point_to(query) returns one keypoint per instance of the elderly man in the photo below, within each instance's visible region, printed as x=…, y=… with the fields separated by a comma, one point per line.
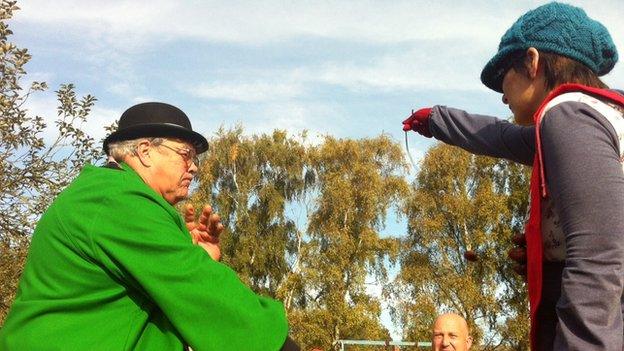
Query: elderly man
x=113, y=266
x=450, y=332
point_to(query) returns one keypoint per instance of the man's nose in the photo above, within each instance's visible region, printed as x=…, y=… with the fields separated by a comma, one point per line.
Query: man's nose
x=193, y=168
x=505, y=101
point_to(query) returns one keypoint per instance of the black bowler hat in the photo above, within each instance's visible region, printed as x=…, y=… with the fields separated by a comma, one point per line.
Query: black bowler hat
x=156, y=119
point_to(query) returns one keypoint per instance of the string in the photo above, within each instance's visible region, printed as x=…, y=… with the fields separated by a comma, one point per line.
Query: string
x=408, y=153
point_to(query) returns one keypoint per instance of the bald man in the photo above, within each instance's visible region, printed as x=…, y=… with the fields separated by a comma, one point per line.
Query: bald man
x=450, y=332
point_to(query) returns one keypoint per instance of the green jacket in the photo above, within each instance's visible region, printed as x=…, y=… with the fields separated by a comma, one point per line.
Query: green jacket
x=112, y=267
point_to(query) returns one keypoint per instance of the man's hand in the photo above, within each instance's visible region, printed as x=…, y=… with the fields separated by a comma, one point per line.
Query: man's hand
x=419, y=122
x=205, y=232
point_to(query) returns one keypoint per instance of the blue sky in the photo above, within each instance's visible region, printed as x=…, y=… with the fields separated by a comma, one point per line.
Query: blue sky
x=346, y=68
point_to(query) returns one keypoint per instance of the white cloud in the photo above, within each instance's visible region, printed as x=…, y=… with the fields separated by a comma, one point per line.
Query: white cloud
x=269, y=21
x=39, y=76
x=414, y=68
x=442, y=45
x=122, y=88
x=409, y=70
x=141, y=98
x=254, y=91
x=318, y=119
x=44, y=104
x=99, y=117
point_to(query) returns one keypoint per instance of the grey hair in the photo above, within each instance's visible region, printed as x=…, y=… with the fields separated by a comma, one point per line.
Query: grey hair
x=118, y=150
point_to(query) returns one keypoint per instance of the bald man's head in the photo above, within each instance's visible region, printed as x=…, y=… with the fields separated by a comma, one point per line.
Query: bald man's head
x=450, y=332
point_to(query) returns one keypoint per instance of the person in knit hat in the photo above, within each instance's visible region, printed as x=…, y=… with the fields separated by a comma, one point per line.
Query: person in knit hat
x=569, y=127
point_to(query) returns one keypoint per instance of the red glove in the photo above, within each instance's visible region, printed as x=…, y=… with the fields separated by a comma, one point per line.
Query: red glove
x=419, y=122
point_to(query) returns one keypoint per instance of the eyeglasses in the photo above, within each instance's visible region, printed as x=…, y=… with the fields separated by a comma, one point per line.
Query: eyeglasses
x=188, y=155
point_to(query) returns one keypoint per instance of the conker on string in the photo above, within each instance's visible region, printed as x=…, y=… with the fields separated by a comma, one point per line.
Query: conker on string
x=471, y=256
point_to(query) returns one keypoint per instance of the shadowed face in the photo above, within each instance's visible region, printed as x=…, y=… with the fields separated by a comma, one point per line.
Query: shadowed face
x=450, y=333
x=519, y=93
x=524, y=92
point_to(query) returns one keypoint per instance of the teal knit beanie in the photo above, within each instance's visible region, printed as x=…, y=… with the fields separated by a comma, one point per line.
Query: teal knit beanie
x=558, y=28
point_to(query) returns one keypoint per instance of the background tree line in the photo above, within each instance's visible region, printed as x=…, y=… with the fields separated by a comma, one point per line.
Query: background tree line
x=304, y=221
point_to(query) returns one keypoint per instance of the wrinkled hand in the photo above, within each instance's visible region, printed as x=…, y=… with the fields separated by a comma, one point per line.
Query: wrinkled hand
x=205, y=231
x=518, y=254
x=419, y=122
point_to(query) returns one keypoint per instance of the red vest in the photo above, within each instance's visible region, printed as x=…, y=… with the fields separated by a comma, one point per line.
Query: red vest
x=533, y=229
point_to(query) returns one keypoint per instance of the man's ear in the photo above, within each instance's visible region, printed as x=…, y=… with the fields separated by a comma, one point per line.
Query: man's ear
x=532, y=63
x=468, y=342
x=143, y=153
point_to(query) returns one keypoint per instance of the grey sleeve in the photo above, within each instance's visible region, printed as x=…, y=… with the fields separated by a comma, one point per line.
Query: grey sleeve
x=583, y=169
x=483, y=135
x=585, y=179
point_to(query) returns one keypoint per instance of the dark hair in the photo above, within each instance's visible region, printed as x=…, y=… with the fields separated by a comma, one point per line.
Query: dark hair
x=558, y=69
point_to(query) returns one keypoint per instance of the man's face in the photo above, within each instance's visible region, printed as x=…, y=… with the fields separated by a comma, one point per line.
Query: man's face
x=173, y=169
x=450, y=332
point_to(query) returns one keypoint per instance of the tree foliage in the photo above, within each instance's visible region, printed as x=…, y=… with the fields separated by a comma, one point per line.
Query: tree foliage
x=250, y=181
x=358, y=181
x=464, y=202
x=319, y=265
x=34, y=166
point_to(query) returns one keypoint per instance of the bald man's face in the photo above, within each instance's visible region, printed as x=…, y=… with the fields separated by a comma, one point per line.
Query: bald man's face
x=450, y=332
